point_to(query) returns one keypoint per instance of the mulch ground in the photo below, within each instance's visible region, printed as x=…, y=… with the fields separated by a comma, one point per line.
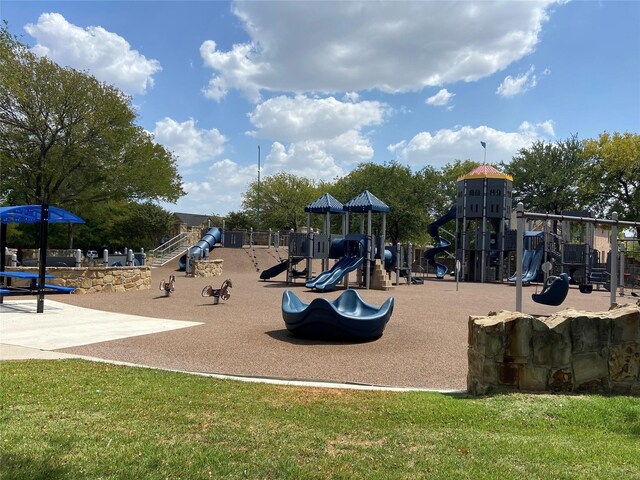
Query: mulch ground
x=423, y=346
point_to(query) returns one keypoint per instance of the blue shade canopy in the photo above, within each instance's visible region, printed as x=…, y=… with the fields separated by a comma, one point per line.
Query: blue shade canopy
x=31, y=214
x=366, y=202
x=326, y=203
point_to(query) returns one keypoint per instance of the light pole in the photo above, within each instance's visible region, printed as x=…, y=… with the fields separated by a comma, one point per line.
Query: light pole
x=258, y=194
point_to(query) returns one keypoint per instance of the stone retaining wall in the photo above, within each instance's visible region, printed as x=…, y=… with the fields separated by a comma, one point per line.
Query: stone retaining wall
x=570, y=351
x=207, y=268
x=97, y=279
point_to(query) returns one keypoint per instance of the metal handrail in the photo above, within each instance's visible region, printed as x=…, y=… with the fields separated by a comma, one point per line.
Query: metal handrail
x=179, y=241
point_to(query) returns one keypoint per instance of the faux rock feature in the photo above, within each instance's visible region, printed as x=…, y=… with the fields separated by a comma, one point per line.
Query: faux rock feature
x=570, y=351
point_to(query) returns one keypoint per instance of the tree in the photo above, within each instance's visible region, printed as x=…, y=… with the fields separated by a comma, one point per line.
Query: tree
x=395, y=185
x=615, y=178
x=69, y=140
x=238, y=221
x=280, y=199
x=139, y=225
x=444, y=193
x=548, y=177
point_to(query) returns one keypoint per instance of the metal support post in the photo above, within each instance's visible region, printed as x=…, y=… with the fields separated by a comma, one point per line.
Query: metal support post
x=519, y=247
x=614, y=259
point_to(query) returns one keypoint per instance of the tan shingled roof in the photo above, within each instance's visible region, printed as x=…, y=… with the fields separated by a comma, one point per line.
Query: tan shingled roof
x=485, y=171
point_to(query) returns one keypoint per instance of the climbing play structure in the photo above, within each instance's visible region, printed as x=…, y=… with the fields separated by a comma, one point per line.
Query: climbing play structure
x=351, y=252
x=483, y=214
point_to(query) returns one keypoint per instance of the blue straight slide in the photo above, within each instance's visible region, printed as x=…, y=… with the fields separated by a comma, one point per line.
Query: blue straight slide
x=325, y=275
x=531, y=261
x=536, y=262
x=277, y=269
x=338, y=274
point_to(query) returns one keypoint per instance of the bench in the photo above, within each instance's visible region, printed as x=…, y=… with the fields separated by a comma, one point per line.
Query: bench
x=59, y=288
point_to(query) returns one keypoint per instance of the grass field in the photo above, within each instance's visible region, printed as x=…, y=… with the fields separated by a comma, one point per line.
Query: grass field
x=77, y=419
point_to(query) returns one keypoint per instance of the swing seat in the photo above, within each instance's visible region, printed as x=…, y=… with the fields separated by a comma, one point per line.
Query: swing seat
x=553, y=292
x=586, y=288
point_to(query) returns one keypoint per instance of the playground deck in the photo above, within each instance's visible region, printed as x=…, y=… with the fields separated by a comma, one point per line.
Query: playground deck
x=424, y=344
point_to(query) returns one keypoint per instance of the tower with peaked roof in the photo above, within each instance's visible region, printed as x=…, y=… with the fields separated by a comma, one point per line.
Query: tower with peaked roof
x=483, y=216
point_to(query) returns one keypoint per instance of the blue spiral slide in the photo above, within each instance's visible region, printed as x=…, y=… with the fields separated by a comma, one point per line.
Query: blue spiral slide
x=208, y=241
x=441, y=243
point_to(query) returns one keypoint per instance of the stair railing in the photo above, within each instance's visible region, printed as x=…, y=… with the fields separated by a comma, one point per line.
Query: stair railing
x=178, y=242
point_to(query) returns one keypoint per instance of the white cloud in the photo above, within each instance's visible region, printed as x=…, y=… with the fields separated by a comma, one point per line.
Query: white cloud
x=351, y=97
x=302, y=118
x=238, y=67
x=463, y=143
x=215, y=189
x=103, y=54
x=305, y=159
x=441, y=98
x=322, y=134
x=353, y=46
x=316, y=138
x=511, y=86
x=191, y=145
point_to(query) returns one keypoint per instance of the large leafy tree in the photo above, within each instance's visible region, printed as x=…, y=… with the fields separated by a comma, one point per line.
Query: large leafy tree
x=547, y=177
x=279, y=201
x=69, y=140
x=238, y=221
x=139, y=225
x=615, y=178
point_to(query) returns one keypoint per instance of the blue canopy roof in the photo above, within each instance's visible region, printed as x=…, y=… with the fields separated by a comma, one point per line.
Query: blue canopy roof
x=326, y=203
x=366, y=202
x=32, y=213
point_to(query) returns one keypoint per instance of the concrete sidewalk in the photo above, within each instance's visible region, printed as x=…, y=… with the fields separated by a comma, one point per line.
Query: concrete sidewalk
x=25, y=334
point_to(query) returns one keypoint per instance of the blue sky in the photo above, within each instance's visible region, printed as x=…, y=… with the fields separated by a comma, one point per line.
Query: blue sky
x=323, y=86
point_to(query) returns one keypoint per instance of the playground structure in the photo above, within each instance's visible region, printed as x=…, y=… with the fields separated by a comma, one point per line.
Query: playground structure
x=485, y=245
x=483, y=213
x=615, y=224
x=201, y=249
x=348, y=317
x=353, y=251
x=325, y=245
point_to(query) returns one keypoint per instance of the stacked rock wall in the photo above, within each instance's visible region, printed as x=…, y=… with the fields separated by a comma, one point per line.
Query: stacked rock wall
x=97, y=279
x=207, y=268
x=570, y=351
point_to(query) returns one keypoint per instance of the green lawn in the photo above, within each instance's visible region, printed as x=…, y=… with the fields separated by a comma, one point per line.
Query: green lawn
x=77, y=419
